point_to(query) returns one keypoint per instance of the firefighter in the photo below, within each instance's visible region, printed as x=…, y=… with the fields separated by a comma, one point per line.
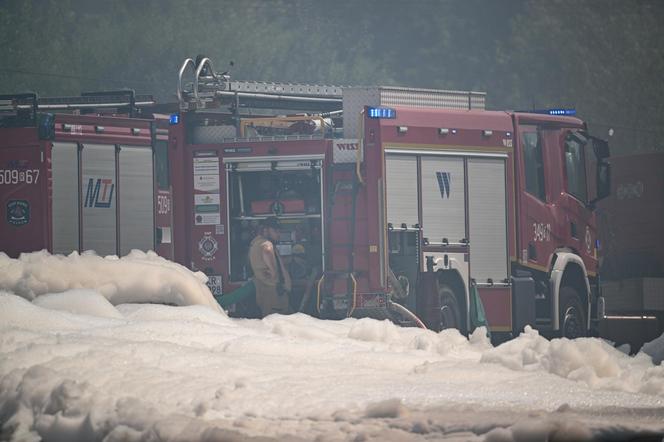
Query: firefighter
x=271, y=278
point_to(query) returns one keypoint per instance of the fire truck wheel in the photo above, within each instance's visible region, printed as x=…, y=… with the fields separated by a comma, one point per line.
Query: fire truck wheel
x=572, y=317
x=449, y=314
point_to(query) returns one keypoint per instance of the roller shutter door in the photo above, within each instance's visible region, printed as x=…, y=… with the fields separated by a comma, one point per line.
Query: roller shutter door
x=443, y=199
x=136, y=199
x=99, y=199
x=64, y=172
x=401, y=182
x=488, y=224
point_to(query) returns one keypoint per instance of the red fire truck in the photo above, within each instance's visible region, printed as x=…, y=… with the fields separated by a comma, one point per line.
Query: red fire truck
x=394, y=202
x=392, y=199
x=73, y=181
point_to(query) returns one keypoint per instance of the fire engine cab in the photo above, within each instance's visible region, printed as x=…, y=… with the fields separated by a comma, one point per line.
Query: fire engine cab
x=415, y=205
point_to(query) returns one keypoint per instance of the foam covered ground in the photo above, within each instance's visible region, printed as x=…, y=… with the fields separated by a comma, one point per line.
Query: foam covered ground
x=137, y=277
x=76, y=364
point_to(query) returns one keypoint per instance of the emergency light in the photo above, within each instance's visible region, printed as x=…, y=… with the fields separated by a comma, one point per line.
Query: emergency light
x=557, y=111
x=562, y=111
x=381, y=112
x=175, y=119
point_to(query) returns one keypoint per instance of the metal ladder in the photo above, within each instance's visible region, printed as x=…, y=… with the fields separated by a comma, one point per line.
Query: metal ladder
x=208, y=87
x=341, y=185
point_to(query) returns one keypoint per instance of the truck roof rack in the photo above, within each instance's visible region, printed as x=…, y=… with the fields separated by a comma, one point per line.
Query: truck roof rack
x=20, y=110
x=208, y=89
x=87, y=100
x=97, y=100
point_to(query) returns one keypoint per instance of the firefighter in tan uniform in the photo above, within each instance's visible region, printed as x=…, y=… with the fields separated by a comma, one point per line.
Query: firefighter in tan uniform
x=271, y=278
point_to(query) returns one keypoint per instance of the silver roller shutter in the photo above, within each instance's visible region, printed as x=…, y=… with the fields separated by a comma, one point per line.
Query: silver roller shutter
x=64, y=171
x=401, y=182
x=443, y=199
x=488, y=225
x=98, y=196
x=136, y=199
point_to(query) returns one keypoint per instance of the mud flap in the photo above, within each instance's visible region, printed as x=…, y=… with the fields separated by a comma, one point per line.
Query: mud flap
x=237, y=295
x=477, y=315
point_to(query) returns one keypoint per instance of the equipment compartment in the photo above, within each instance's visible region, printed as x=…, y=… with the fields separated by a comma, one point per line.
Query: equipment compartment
x=291, y=192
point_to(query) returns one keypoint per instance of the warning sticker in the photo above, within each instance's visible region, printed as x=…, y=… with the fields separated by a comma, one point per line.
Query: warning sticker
x=207, y=198
x=205, y=219
x=206, y=183
x=206, y=166
x=207, y=201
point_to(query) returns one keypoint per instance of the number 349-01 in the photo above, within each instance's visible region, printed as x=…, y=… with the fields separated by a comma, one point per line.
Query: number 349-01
x=15, y=176
x=542, y=232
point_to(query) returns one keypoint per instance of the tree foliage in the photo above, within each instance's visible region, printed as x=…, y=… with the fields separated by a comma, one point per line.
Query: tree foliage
x=604, y=57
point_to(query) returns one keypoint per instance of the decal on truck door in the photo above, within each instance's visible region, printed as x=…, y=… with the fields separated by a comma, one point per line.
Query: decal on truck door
x=19, y=176
x=18, y=212
x=208, y=246
x=444, y=180
x=99, y=192
x=542, y=232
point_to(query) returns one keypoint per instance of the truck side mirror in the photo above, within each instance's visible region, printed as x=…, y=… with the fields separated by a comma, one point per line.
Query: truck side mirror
x=603, y=179
x=602, y=184
x=601, y=148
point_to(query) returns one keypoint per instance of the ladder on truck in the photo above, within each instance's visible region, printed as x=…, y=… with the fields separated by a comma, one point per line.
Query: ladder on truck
x=23, y=109
x=343, y=194
x=209, y=90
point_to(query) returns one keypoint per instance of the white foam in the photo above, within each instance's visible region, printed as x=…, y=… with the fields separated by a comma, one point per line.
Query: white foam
x=79, y=301
x=655, y=349
x=592, y=361
x=73, y=367
x=137, y=277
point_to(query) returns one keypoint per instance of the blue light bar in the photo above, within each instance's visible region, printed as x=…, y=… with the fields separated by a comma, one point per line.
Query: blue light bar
x=175, y=118
x=381, y=112
x=557, y=111
x=562, y=111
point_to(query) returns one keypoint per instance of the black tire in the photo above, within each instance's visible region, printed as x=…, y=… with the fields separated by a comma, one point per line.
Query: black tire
x=448, y=314
x=572, y=314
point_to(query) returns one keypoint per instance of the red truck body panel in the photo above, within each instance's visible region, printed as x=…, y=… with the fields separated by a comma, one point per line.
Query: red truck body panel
x=26, y=195
x=24, y=181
